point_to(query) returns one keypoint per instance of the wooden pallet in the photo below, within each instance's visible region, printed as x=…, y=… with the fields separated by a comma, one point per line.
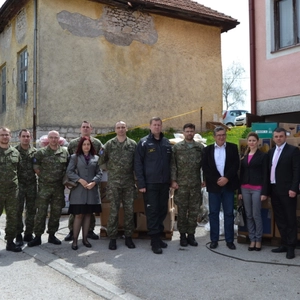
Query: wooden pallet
x=266, y=241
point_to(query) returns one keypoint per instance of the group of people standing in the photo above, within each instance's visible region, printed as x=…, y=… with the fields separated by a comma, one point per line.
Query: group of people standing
x=154, y=166
x=275, y=174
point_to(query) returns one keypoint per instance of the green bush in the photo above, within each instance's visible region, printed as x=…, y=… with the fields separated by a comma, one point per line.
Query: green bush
x=233, y=135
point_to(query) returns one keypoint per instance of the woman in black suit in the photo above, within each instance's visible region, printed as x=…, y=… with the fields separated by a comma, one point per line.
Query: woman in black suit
x=254, y=186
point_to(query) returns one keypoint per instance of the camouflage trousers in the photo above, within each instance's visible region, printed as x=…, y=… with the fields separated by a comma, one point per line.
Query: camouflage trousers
x=92, y=223
x=188, y=201
x=52, y=195
x=9, y=202
x=115, y=195
x=27, y=196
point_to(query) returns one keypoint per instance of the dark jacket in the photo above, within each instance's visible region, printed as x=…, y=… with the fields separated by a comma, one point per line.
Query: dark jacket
x=256, y=172
x=211, y=173
x=287, y=170
x=152, y=160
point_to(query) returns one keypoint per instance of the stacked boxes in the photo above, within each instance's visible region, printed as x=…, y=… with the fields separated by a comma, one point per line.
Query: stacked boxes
x=168, y=222
x=264, y=145
x=293, y=130
x=139, y=212
x=267, y=218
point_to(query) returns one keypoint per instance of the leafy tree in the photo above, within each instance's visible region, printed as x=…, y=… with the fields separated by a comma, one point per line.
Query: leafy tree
x=233, y=93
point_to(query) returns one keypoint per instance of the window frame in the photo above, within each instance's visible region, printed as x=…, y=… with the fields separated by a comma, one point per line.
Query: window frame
x=3, y=79
x=295, y=25
x=23, y=76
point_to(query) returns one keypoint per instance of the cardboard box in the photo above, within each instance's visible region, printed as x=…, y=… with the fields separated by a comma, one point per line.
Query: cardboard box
x=264, y=145
x=293, y=129
x=138, y=204
x=268, y=223
x=105, y=215
x=295, y=141
x=141, y=219
x=264, y=130
x=277, y=233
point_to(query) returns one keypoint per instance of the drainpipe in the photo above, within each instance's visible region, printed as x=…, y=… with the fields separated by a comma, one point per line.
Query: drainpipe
x=34, y=113
x=252, y=57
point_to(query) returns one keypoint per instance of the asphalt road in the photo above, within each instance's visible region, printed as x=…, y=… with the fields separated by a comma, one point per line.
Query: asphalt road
x=57, y=272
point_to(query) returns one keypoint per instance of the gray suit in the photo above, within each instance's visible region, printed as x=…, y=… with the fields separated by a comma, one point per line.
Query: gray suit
x=89, y=172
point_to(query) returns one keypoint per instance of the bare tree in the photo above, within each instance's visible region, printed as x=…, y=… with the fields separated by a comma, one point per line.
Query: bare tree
x=233, y=93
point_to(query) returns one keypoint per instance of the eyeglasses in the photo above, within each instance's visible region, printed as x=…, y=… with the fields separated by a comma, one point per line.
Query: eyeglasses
x=220, y=135
x=4, y=135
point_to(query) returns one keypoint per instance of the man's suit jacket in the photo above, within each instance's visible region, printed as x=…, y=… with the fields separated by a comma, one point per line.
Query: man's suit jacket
x=231, y=168
x=287, y=172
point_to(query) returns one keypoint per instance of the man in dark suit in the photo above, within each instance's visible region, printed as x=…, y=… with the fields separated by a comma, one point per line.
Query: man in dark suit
x=220, y=166
x=284, y=166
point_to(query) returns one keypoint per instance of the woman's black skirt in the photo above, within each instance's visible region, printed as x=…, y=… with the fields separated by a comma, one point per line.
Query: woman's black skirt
x=77, y=209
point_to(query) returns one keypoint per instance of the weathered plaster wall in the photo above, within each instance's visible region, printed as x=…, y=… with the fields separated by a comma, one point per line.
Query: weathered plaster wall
x=17, y=36
x=100, y=64
x=91, y=69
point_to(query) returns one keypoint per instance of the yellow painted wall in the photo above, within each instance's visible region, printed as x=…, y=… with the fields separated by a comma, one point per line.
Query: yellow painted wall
x=89, y=78
x=13, y=40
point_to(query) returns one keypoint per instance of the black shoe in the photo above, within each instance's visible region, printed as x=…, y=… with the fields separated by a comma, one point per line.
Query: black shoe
x=87, y=244
x=19, y=240
x=258, y=249
x=191, y=240
x=52, y=239
x=290, y=253
x=112, y=244
x=92, y=235
x=163, y=244
x=35, y=242
x=156, y=249
x=231, y=246
x=74, y=247
x=183, y=240
x=28, y=237
x=155, y=244
x=280, y=249
x=213, y=245
x=11, y=246
x=252, y=249
x=129, y=243
x=69, y=237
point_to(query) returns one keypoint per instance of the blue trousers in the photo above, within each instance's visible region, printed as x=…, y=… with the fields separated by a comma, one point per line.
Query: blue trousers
x=226, y=198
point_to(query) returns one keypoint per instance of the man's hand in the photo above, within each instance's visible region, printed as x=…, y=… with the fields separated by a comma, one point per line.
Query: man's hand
x=143, y=190
x=222, y=181
x=174, y=185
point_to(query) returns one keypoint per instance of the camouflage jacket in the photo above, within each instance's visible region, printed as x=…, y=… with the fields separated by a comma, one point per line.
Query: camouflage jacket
x=9, y=164
x=119, y=159
x=26, y=173
x=186, y=163
x=72, y=147
x=51, y=163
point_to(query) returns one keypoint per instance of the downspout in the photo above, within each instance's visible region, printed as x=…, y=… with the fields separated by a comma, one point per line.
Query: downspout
x=252, y=57
x=34, y=74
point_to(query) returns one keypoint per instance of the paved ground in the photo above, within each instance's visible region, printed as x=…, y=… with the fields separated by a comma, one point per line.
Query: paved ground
x=51, y=271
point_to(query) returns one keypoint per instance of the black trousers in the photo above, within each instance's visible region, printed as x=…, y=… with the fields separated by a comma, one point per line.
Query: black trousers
x=284, y=209
x=156, y=206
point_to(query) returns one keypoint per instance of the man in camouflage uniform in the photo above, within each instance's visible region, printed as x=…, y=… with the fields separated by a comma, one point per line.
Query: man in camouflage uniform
x=50, y=164
x=27, y=187
x=119, y=157
x=9, y=162
x=85, y=130
x=186, y=180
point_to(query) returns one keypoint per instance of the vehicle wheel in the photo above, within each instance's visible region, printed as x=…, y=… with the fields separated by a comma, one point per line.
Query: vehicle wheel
x=230, y=125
